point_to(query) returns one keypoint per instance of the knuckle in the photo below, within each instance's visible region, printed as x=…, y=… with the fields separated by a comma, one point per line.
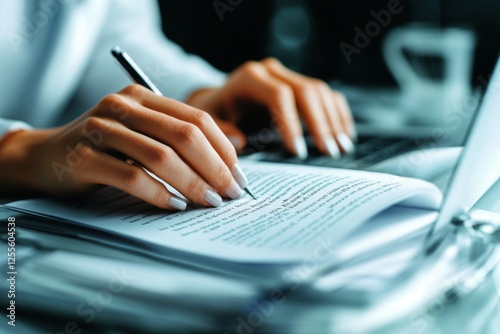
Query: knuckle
x=312, y=83
x=85, y=156
x=84, y=150
x=339, y=95
x=271, y=61
x=93, y=123
x=115, y=105
x=251, y=67
x=194, y=190
x=131, y=178
x=112, y=101
x=160, y=155
x=133, y=90
x=160, y=197
x=189, y=133
x=202, y=119
x=319, y=84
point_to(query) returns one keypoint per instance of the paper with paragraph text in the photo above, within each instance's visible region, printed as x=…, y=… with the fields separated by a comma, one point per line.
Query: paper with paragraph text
x=296, y=209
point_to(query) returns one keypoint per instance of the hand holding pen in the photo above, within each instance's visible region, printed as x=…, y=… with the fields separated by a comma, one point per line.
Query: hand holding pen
x=139, y=77
x=180, y=144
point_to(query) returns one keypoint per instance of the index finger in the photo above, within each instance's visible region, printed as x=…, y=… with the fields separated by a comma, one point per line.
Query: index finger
x=201, y=120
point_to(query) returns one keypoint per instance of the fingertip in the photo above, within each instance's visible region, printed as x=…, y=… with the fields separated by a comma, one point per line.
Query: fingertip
x=331, y=147
x=234, y=191
x=300, y=147
x=353, y=133
x=346, y=143
x=212, y=198
x=239, y=176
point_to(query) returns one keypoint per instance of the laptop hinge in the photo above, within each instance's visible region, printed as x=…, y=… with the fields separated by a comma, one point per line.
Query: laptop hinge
x=480, y=223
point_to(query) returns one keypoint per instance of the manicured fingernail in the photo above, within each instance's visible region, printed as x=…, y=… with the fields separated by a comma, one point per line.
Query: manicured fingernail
x=234, y=191
x=332, y=147
x=346, y=143
x=300, y=148
x=213, y=198
x=234, y=140
x=354, y=134
x=239, y=176
x=177, y=203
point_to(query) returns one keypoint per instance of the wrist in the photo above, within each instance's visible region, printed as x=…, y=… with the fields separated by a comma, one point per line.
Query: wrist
x=18, y=162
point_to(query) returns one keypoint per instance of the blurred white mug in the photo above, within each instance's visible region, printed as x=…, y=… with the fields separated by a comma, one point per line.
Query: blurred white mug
x=426, y=99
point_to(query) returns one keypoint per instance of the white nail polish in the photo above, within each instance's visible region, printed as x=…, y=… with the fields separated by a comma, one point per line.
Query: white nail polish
x=239, y=176
x=177, y=203
x=354, y=134
x=234, y=191
x=212, y=198
x=300, y=147
x=346, y=143
x=332, y=147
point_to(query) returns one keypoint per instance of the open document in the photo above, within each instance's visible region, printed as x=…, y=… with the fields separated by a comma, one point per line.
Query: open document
x=297, y=210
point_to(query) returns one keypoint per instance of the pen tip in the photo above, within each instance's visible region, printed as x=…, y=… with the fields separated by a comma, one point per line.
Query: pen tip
x=249, y=193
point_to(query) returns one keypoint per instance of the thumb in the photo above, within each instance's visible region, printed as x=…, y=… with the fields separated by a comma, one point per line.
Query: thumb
x=235, y=136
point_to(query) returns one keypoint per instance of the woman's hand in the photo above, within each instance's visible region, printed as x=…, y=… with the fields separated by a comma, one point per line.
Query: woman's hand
x=178, y=143
x=289, y=97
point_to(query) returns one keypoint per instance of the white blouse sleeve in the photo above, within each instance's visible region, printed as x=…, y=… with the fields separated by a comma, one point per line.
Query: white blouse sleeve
x=135, y=27
x=7, y=125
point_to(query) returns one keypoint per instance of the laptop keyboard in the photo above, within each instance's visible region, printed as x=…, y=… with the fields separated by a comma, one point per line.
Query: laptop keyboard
x=369, y=151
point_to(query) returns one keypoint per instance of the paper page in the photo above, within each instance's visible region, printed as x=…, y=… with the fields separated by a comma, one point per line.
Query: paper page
x=385, y=232
x=434, y=165
x=297, y=210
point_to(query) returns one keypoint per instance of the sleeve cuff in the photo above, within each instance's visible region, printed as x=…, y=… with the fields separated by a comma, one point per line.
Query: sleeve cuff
x=10, y=125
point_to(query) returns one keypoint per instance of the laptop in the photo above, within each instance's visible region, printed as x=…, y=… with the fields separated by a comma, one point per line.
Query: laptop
x=478, y=167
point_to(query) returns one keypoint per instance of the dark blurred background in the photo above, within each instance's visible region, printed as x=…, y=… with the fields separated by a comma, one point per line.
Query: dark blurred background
x=306, y=35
